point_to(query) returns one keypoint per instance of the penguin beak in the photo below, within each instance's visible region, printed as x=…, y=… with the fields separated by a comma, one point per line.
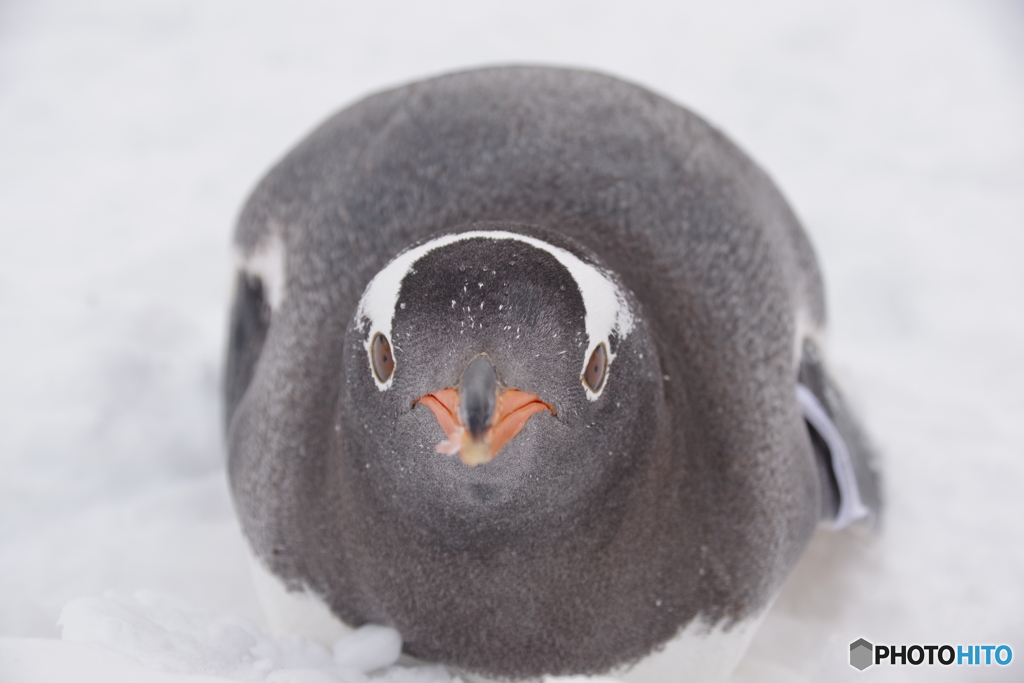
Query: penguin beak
x=480, y=416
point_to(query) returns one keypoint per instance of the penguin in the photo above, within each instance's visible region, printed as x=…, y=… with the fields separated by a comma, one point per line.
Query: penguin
x=528, y=364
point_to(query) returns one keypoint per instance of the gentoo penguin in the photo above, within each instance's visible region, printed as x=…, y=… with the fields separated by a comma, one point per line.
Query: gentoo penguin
x=526, y=364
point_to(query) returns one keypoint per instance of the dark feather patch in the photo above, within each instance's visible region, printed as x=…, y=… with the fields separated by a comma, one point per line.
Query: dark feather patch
x=250, y=320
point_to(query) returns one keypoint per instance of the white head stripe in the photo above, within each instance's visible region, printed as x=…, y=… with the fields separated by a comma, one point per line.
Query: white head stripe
x=605, y=304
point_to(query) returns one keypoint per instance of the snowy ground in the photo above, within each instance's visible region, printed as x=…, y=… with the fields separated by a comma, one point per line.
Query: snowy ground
x=131, y=132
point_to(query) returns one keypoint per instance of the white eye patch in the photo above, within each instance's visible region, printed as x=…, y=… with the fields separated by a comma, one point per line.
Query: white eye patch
x=606, y=307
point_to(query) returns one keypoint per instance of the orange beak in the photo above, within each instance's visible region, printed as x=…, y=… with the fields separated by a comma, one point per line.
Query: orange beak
x=513, y=409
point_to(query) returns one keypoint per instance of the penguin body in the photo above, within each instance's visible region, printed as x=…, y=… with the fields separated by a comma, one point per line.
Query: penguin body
x=514, y=366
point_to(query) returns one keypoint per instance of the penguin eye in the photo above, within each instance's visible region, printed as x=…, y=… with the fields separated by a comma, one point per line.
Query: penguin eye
x=593, y=376
x=383, y=360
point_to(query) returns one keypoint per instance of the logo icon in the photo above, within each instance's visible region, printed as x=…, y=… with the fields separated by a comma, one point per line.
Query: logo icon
x=861, y=654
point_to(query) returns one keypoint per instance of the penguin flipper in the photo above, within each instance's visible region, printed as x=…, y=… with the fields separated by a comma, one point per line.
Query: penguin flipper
x=847, y=462
x=250, y=319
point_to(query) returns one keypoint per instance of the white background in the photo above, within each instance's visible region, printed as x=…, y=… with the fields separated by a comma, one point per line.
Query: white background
x=131, y=132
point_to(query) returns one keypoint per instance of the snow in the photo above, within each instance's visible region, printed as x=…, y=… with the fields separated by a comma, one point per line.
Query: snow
x=164, y=635
x=130, y=134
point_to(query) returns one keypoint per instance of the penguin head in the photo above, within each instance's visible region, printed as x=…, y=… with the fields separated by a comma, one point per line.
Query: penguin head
x=497, y=383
